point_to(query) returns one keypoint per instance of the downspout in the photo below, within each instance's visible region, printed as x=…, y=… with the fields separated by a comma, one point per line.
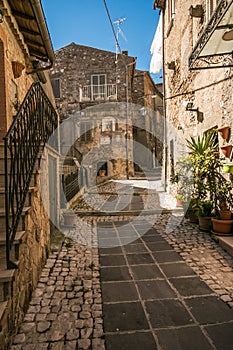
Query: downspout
x=127, y=113
x=165, y=161
x=39, y=14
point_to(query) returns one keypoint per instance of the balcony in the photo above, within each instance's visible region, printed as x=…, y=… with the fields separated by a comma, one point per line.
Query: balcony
x=98, y=93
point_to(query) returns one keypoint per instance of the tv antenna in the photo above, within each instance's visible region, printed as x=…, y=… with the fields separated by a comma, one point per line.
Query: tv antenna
x=119, y=31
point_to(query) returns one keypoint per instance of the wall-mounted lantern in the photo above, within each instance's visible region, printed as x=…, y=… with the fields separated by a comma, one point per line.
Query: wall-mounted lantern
x=196, y=11
x=189, y=107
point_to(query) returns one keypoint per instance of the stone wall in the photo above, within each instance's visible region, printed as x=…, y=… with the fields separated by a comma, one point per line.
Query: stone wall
x=32, y=254
x=74, y=66
x=209, y=90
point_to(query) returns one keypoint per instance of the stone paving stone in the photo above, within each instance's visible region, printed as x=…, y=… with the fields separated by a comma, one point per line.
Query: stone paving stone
x=209, y=310
x=190, y=338
x=112, y=260
x=221, y=335
x=110, y=251
x=139, y=259
x=120, y=273
x=153, y=239
x=132, y=341
x=167, y=313
x=167, y=256
x=158, y=246
x=147, y=272
x=155, y=289
x=124, y=317
x=119, y=291
x=135, y=248
x=178, y=269
x=191, y=286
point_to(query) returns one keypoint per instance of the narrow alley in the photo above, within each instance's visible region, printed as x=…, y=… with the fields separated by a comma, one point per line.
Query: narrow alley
x=150, y=281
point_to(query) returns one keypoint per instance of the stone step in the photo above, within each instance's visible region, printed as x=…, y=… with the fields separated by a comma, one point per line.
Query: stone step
x=4, y=310
x=14, y=253
x=22, y=222
x=32, y=190
x=226, y=243
x=6, y=278
x=34, y=179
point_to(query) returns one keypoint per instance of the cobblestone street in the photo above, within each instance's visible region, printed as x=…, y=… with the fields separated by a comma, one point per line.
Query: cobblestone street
x=130, y=282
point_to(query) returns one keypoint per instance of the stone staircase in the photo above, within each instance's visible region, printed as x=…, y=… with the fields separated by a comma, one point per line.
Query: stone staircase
x=9, y=277
x=150, y=174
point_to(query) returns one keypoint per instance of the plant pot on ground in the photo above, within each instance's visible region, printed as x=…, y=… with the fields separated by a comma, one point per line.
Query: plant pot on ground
x=222, y=227
x=204, y=213
x=192, y=215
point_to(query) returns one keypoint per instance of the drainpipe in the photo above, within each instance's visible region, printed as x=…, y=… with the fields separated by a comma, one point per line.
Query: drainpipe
x=165, y=160
x=39, y=14
x=127, y=116
x=161, y=5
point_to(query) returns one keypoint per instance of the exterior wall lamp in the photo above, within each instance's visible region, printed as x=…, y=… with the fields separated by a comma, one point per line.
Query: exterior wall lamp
x=189, y=107
x=1, y=16
x=197, y=11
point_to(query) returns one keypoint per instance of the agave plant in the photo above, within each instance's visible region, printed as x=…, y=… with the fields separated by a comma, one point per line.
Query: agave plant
x=203, y=144
x=205, y=166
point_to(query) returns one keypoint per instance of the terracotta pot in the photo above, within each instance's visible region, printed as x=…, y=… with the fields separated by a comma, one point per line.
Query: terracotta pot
x=179, y=202
x=192, y=215
x=225, y=214
x=224, y=132
x=69, y=219
x=204, y=223
x=222, y=227
x=226, y=150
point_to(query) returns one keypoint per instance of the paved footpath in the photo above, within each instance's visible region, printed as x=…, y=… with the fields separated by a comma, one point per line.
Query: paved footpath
x=154, y=283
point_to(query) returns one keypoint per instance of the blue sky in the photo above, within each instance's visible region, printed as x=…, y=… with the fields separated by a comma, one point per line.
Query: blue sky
x=86, y=23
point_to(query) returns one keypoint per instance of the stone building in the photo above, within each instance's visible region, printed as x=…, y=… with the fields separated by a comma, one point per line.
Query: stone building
x=101, y=95
x=27, y=118
x=197, y=40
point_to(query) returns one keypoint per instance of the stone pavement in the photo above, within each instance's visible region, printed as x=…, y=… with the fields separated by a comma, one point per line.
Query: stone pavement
x=152, y=299
x=160, y=284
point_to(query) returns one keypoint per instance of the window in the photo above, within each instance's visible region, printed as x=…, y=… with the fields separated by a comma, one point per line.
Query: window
x=86, y=131
x=98, y=87
x=171, y=10
x=56, y=85
x=108, y=124
x=170, y=14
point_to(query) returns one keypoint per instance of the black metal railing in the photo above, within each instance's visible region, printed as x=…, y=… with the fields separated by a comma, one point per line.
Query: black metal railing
x=34, y=123
x=71, y=185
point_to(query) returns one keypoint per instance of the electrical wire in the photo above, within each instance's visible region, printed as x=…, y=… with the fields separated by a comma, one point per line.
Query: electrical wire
x=111, y=23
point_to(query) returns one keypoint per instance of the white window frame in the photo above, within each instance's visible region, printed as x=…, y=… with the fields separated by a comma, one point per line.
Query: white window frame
x=99, y=91
x=210, y=8
x=171, y=11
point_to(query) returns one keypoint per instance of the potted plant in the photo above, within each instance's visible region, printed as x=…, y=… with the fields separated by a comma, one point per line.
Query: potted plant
x=182, y=183
x=205, y=168
x=224, y=199
x=69, y=217
x=222, y=223
x=204, y=213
